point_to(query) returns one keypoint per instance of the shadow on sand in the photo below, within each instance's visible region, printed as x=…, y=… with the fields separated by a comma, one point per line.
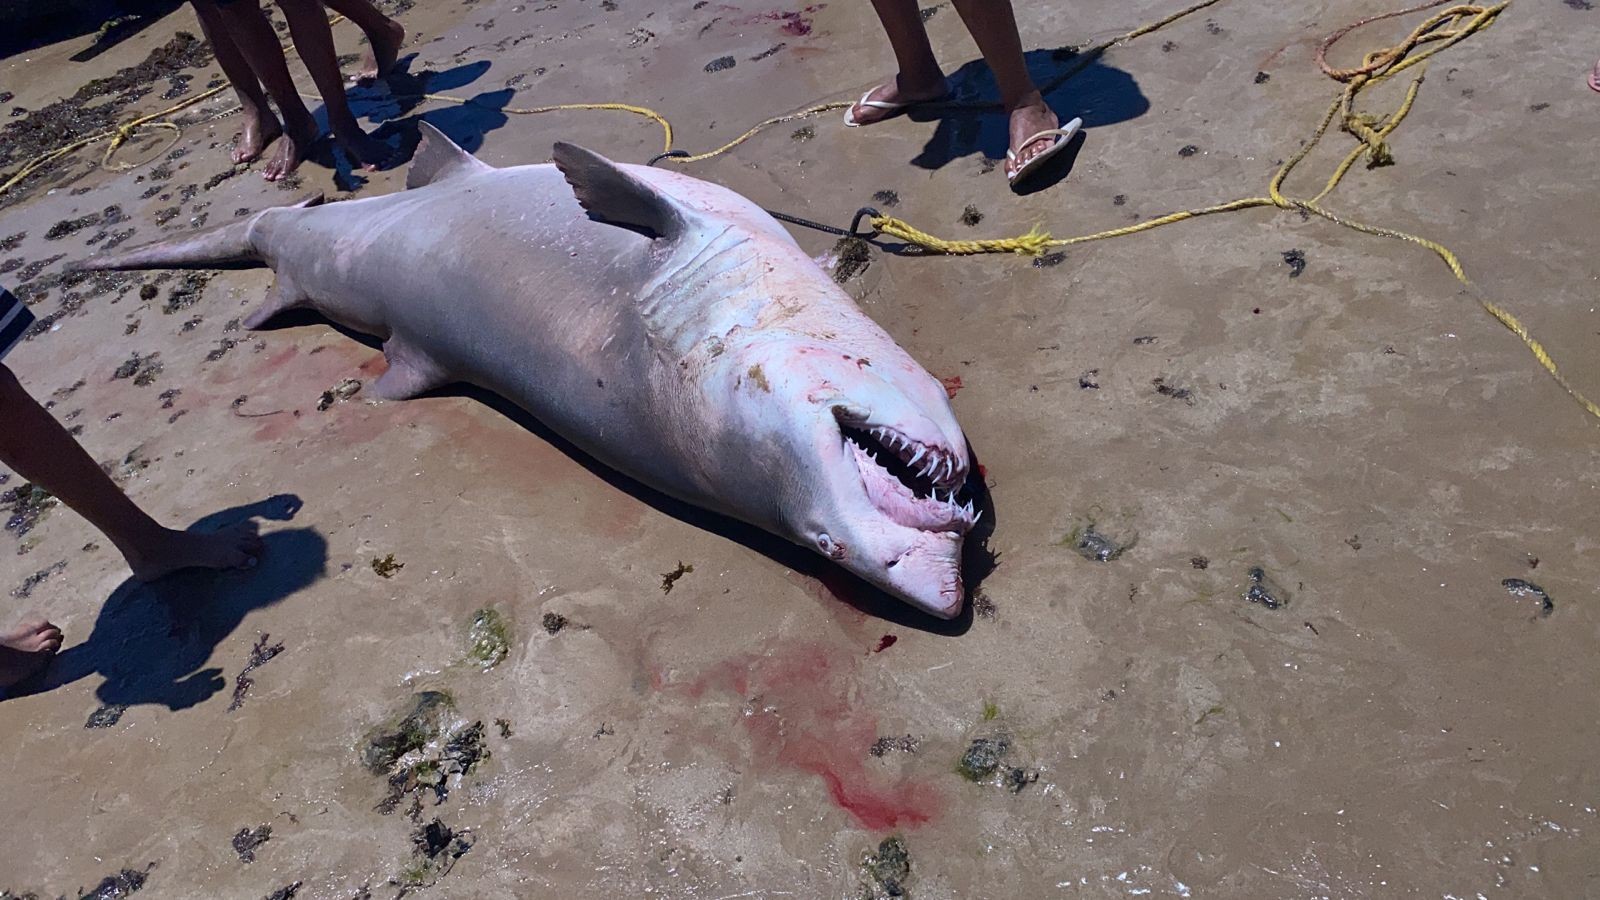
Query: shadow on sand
x=391, y=107
x=977, y=562
x=152, y=640
x=26, y=25
x=971, y=124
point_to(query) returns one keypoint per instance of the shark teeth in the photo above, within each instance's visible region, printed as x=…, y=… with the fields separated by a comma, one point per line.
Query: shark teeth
x=927, y=461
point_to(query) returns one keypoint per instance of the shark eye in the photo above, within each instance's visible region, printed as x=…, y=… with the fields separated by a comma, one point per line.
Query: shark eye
x=829, y=547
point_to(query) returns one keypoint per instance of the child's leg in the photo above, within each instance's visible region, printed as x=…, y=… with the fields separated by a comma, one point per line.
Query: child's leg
x=260, y=125
x=994, y=28
x=252, y=33
x=35, y=446
x=383, y=33
x=313, y=39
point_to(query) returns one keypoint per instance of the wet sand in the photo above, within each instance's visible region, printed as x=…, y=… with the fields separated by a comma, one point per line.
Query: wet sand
x=1361, y=432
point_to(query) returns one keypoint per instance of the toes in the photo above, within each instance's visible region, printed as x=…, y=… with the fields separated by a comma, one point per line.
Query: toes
x=33, y=624
x=46, y=641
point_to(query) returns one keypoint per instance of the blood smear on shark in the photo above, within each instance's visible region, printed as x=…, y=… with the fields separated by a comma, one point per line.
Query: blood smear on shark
x=802, y=720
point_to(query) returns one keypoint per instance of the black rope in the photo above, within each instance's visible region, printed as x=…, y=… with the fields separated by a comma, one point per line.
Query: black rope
x=855, y=223
x=670, y=154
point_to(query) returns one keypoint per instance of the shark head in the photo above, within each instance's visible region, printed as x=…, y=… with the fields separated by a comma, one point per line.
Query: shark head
x=862, y=461
x=810, y=421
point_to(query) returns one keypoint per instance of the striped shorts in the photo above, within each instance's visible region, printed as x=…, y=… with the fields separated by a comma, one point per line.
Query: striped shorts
x=14, y=321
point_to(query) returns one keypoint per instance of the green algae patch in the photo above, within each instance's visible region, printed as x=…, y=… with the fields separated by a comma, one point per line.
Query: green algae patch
x=408, y=731
x=489, y=638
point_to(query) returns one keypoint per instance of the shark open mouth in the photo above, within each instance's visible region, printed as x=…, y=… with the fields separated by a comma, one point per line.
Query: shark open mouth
x=916, y=485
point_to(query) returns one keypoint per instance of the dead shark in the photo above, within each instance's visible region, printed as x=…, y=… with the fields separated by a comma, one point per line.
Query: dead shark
x=664, y=325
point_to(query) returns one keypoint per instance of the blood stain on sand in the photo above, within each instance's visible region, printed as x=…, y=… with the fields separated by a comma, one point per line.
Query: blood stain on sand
x=375, y=366
x=794, y=23
x=951, y=385
x=279, y=359
x=803, y=720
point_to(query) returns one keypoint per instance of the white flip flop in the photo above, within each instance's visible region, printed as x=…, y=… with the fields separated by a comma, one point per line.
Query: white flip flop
x=1063, y=137
x=885, y=105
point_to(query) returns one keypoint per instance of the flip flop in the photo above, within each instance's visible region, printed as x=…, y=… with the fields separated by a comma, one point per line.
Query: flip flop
x=886, y=105
x=1063, y=137
x=1594, y=78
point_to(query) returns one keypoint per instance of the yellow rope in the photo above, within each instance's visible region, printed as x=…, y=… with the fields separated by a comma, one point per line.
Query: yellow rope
x=1439, y=32
x=120, y=135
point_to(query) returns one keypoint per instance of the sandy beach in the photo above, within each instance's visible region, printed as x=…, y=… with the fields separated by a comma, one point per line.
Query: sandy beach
x=471, y=664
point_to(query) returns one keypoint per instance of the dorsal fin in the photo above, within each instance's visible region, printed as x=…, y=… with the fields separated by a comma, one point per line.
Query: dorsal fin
x=611, y=194
x=438, y=158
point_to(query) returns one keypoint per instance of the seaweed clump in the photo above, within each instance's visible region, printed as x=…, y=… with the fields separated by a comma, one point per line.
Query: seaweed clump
x=186, y=292
x=1519, y=587
x=668, y=579
x=260, y=654
x=118, y=885
x=854, y=256
x=421, y=750
x=986, y=757
x=888, y=869
x=106, y=716
x=1090, y=543
x=82, y=114
x=142, y=369
x=435, y=849
x=248, y=840
x=406, y=733
x=1264, y=591
x=28, y=504
x=982, y=757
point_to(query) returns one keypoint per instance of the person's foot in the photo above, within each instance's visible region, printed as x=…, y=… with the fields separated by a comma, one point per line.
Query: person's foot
x=1027, y=120
x=901, y=90
x=235, y=547
x=385, y=49
x=293, y=146
x=26, y=649
x=1594, y=77
x=260, y=129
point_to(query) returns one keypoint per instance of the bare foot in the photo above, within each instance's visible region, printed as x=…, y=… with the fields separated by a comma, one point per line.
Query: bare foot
x=900, y=90
x=379, y=61
x=260, y=129
x=1028, y=120
x=1594, y=77
x=234, y=547
x=27, y=649
x=292, y=149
